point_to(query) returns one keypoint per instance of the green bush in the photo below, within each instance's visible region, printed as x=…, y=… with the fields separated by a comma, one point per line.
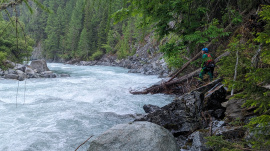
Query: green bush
x=97, y=55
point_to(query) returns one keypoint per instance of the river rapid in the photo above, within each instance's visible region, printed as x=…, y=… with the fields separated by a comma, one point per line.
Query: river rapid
x=61, y=113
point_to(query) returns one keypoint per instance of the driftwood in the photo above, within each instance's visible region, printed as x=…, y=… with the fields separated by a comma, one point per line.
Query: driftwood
x=165, y=87
x=83, y=143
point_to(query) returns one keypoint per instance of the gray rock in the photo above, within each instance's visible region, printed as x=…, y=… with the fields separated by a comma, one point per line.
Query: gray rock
x=214, y=97
x=230, y=132
x=11, y=76
x=234, y=110
x=10, y=63
x=149, y=108
x=198, y=142
x=136, y=136
x=20, y=67
x=64, y=75
x=10, y=71
x=29, y=71
x=219, y=113
x=21, y=75
x=181, y=116
x=39, y=65
x=48, y=74
x=19, y=72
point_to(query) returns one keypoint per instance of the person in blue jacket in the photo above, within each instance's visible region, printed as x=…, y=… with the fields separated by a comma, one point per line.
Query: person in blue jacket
x=207, y=65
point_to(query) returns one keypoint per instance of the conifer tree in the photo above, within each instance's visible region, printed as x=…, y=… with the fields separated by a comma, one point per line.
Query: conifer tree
x=83, y=48
x=75, y=27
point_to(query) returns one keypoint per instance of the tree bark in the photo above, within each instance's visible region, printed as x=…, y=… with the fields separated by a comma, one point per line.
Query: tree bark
x=235, y=70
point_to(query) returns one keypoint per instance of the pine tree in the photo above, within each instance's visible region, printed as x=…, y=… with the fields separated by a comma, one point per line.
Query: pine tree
x=83, y=48
x=75, y=27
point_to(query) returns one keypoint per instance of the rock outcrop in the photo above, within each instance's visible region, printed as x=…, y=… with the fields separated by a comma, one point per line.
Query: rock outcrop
x=136, y=136
x=203, y=112
x=39, y=65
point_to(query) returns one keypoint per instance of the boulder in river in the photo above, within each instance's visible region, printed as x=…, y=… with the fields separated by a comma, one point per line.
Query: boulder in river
x=48, y=74
x=136, y=136
x=21, y=75
x=39, y=65
x=11, y=76
x=29, y=71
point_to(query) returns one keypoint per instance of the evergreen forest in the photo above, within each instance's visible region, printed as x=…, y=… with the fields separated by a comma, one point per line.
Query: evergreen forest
x=88, y=29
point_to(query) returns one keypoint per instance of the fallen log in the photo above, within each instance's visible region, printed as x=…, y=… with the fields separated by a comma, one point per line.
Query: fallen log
x=166, y=86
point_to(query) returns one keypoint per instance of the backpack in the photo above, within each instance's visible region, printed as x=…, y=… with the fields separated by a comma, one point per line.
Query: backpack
x=210, y=62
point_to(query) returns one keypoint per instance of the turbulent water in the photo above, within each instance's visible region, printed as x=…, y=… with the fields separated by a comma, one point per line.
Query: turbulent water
x=60, y=114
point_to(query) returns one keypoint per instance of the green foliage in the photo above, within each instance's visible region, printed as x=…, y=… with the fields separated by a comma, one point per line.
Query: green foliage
x=97, y=55
x=196, y=22
x=14, y=47
x=237, y=122
x=252, y=73
x=172, y=55
x=202, y=37
x=74, y=28
x=218, y=143
x=3, y=56
x=83, y=47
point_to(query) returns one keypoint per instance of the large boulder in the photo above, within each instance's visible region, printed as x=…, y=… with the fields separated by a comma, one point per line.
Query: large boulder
x=21, y=75
x=11, y=76
x=234, y=109
x=213, y=101
x=214, y=98
x=29, y=71
x=39, y=65
x=136, y=136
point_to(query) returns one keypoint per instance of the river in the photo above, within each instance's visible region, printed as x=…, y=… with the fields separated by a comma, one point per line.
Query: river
x=61, y=113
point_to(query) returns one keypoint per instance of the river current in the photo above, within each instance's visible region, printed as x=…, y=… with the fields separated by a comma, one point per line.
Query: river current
x=59, y=114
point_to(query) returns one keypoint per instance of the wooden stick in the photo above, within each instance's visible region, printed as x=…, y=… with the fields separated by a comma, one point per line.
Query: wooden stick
x=83, y=143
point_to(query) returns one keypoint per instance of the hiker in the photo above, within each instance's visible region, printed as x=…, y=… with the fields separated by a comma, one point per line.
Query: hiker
x=207, y=65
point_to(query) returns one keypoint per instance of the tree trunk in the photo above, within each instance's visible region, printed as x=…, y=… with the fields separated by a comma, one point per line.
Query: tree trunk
x=235, y=70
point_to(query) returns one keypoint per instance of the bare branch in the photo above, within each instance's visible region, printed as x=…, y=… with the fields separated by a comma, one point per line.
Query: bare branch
x=10, y=4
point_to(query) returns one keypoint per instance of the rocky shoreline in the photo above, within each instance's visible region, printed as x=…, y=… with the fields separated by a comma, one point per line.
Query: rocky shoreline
x=147, y=60
x=37, y=69
x=148, y=66
x=190, y=118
